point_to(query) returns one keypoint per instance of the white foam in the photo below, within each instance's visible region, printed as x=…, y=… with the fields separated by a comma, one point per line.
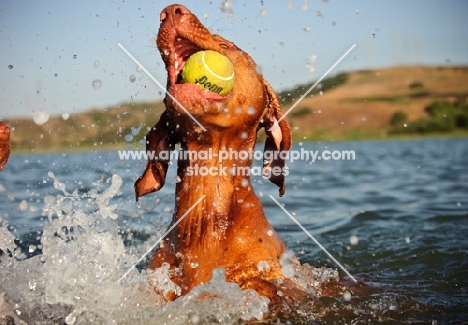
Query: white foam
x=74, y=280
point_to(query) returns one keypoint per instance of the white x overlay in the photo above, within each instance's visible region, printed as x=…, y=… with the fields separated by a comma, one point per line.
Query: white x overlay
x=201, y=198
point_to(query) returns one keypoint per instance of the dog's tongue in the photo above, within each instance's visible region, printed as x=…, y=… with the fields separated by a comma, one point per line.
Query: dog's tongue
x=195, y=93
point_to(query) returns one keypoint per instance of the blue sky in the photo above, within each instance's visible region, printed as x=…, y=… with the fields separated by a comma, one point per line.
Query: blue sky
x=51, y=51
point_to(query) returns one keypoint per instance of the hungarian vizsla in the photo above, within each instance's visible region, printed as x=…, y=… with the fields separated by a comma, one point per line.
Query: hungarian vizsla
x=228, y=227
x=4, y=144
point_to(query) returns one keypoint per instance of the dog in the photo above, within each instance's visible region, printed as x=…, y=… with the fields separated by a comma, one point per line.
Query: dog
x=228, y=227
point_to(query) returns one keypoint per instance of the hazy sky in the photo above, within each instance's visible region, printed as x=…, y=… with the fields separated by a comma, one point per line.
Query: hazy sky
x=52, y=51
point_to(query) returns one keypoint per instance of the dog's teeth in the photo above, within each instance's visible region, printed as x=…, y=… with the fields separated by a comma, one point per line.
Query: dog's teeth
x=176, y=65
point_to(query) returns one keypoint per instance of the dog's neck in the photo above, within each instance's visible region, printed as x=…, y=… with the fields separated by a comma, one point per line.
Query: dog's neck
x=215, y=171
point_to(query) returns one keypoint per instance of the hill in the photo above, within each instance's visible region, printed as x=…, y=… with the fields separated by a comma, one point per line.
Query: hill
x=354, y=105
x=365, y=104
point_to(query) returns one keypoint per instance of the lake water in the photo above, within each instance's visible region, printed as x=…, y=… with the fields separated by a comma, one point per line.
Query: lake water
x=396, y=217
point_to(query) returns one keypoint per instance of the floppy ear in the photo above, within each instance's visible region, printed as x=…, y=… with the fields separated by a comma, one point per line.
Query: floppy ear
x=278, y=140
x=159, y=145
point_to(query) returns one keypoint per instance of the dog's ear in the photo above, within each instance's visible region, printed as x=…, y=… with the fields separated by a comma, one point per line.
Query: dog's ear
x=159, y=145
x=278, y=141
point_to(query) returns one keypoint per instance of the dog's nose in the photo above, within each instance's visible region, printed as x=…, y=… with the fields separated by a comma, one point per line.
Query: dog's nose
x=173, y=12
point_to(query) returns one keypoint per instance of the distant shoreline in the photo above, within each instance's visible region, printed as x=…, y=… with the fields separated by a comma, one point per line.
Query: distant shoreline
x=414, y=102
x=88, y=149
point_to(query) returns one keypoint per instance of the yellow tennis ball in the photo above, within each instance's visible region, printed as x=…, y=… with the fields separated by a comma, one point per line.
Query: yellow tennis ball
x=211, y=71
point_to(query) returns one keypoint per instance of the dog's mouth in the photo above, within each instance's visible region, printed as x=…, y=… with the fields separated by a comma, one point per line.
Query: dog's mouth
x=183, y=49
x=175, y=55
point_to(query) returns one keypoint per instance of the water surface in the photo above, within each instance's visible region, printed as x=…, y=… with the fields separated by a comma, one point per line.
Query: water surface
x=396, y=217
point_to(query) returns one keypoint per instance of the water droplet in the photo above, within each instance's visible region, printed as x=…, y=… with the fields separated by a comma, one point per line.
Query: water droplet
x=306, y=29
x=251, y=110
x=139, y=69
x=65, y=116
x=262, y=12
x=263, y=265
x=270, y=232
x=32, y=248
x=132, y=78
x=356, y=12
x=244, y=135
x=135, y=131
x=74, y=56
x=40, y=117
x=193, y=265
x=226, y=7
x=259, y=69
x=194, y=319
x=407, y=240
x=55, y=74
x=373, y=35
x=245, y=182
x=96, y=63
x=32, y=285
x=142, y=17
x=97, y=83
x=354, y=240
x=305, y=6
x=23, y=206
x=177, y=179
x=10, y=66
x=290, y=5
x=129, y=137
x=347, y=295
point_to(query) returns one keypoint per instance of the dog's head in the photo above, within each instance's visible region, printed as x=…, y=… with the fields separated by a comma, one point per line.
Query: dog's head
x=251, y=104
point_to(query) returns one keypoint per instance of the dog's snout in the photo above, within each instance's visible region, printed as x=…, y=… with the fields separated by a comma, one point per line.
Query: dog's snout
x=174, y=12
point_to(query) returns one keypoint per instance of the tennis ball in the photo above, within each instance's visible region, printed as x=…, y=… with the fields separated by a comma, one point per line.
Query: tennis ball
x=210, y=70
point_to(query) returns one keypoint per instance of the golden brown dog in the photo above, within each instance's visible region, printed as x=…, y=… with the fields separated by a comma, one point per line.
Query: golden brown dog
x=228, y=228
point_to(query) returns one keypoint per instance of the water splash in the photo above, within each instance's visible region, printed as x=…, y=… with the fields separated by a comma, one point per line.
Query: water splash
x=216, y=302
x=74, y=280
